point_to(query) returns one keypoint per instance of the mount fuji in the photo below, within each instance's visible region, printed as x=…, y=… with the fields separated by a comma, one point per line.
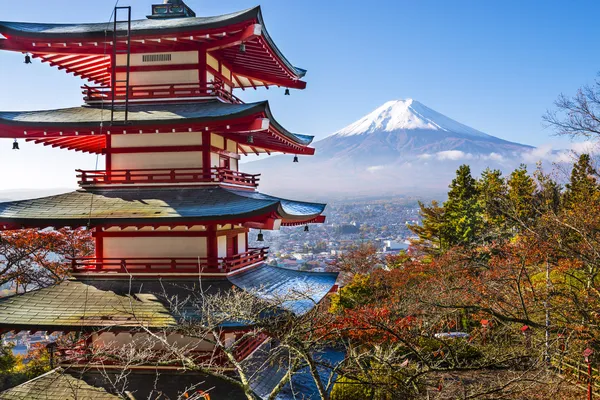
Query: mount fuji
x=402, y=147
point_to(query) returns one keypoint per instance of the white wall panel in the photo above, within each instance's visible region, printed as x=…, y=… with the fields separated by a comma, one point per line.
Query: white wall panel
x=222, y=246
x=169, y=246
x=192, y=159
x=241, y=242
x=157, y=139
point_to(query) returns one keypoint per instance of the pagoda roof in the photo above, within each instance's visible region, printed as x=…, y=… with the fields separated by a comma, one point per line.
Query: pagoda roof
x=233, y=120
x=150, y=206
x=57, y=384
x=99, y=384
x=123, y=303
x=220, y=34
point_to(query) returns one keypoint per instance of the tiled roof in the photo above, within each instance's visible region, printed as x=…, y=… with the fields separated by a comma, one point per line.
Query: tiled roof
x=144, y=205
x=80, y=303
x=87, y=116
x=143, y=27
x=56, y=385
x=299, y=290
x=92, y=384
x=96, y=303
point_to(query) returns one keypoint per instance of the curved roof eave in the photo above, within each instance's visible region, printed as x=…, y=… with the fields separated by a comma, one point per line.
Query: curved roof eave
x=151, y=206
x=66, y=117
x=145, y=27
x=302, y=139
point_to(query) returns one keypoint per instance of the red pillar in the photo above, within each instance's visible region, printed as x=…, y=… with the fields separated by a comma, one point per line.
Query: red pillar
x=212, y=246
x=206, y=167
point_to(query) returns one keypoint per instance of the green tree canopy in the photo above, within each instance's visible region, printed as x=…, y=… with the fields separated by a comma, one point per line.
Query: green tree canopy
x=463, y=212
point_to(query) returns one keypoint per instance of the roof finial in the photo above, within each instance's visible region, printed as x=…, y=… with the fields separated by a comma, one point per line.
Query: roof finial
x=171, y=9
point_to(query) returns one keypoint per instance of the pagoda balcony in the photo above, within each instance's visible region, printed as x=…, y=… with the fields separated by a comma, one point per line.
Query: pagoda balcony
x=140, y=94
x=88, y=178
x=82, y=354
x=165, y=265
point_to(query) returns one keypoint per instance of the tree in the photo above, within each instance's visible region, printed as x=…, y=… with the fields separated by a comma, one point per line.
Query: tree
x=431, y=236
x=548, y=193
x=578, y=116
x=491, y=187
x=583, y=183
x=463, y=219
x=37, y=258
x=359, y=259
x=521, y=190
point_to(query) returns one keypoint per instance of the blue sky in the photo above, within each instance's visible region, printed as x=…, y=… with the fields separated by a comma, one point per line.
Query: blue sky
x=495, y=66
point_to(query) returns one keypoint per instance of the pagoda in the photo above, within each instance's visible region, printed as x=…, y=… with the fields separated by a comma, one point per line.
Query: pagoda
x=171, y=211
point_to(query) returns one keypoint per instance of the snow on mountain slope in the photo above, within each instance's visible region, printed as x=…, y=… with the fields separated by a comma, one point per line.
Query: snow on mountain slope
x=401, y=146
x=406, y=115
x=404, y=129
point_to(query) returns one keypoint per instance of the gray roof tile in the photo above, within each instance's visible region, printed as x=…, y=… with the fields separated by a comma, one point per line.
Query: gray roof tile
x=106, y=206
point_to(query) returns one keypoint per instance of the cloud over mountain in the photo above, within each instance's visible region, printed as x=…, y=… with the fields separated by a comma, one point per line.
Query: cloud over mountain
x=401, y=147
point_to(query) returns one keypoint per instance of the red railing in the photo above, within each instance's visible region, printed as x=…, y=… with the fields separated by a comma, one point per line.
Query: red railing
x=143, y=93
x=157, y=176
x=248, y=346
x=169, y=265
x=84, y=355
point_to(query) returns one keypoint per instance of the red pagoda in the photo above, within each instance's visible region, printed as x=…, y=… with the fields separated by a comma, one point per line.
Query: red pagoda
x=171, y=210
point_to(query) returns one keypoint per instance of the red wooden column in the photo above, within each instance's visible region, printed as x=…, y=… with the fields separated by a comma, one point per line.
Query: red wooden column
x=108, y=160
x=212, y=249
x=99, y=243
x=202, y=66
x=206, y=167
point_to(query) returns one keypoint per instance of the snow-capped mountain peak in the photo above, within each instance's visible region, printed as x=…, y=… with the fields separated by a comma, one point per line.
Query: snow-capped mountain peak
x=402, y=115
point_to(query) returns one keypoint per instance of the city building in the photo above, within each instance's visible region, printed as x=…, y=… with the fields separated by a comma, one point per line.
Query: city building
x=171, y=213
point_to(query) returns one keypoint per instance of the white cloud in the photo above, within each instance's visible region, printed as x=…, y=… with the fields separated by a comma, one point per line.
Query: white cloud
x=453, y=155
x=375, y=168
x=426, y=156
x=494, y=157
x=546, y=152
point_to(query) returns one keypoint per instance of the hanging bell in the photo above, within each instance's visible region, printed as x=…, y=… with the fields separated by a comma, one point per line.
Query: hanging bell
x=260, y=237
x=27, y=59
x=287, y=92
x=250, y=139
x=295, y=158
x=306, y=228
x=242, y=47
x=15, y=145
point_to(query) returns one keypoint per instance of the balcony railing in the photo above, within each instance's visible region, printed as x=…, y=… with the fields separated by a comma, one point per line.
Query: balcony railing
x=149, y=93
x=170, y=265
x=166, y=176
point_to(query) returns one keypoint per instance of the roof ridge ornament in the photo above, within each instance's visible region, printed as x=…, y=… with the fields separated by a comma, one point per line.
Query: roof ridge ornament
x=171, y=9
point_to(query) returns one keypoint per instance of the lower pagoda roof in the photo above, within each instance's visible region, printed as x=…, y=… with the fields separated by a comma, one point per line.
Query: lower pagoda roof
x=237, y=121
x=151, y=206
x=94, y=384
x=79, y=303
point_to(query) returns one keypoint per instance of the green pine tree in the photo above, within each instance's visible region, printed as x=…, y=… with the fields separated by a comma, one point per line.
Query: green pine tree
x=431, y=236
x=492, y=193
x=521, y=190
x=547, y=195
x=583, y=184
x=464, y=221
